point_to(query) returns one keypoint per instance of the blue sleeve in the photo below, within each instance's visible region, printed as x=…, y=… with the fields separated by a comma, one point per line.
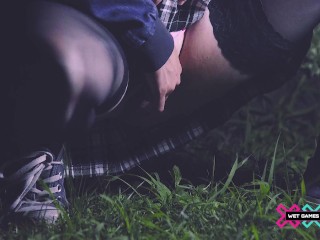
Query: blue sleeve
x=138, y=25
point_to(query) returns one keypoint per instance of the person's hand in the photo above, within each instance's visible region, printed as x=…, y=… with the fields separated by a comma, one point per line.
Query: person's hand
x=163, y=82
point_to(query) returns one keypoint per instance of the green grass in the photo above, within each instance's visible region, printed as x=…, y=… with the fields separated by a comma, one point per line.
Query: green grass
x=263, y=149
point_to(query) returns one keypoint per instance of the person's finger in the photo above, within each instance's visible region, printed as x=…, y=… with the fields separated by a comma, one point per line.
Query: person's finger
x=162, y=102
x=179, y=80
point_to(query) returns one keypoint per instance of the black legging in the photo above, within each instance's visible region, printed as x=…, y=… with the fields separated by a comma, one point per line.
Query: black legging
x=67, y=66
x=293, y=19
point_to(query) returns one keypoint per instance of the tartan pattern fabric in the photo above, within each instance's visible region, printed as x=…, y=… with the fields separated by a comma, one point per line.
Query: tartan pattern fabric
x=178, y=17
x=113, y=147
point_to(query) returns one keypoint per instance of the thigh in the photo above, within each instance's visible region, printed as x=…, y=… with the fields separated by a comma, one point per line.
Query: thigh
x=88, y=51
x=64, y=54
x=51, y=50
x=206, y=75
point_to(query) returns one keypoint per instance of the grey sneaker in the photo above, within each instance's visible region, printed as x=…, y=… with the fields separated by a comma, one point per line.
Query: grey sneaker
x=33, y=188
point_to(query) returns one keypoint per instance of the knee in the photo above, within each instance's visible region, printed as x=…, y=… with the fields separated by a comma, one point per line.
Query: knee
x=88, y=67
x=87, y=56
x=68, y=36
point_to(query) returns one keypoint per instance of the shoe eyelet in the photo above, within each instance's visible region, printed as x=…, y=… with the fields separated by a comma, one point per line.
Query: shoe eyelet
x=59, y=198
x=59, y=188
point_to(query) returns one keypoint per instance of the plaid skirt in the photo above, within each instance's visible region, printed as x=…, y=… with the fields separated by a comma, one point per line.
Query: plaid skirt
x=114, y=147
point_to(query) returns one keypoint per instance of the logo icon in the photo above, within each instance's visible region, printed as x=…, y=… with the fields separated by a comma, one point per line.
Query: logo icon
x=281, y=209
x=306, y=208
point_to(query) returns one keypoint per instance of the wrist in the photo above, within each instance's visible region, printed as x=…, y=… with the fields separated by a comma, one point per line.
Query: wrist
x=157, y=49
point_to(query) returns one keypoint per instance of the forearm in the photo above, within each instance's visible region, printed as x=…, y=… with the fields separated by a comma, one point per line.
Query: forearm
x=136, y=25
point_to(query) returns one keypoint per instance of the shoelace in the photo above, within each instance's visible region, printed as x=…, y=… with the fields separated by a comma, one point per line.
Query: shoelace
x=28, y=175
x=48, y=181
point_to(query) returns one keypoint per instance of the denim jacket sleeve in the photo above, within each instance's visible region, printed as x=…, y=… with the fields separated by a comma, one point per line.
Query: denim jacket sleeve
x=137, y=24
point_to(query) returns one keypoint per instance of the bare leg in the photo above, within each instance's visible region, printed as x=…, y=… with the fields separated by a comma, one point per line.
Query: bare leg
x=206, y=75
